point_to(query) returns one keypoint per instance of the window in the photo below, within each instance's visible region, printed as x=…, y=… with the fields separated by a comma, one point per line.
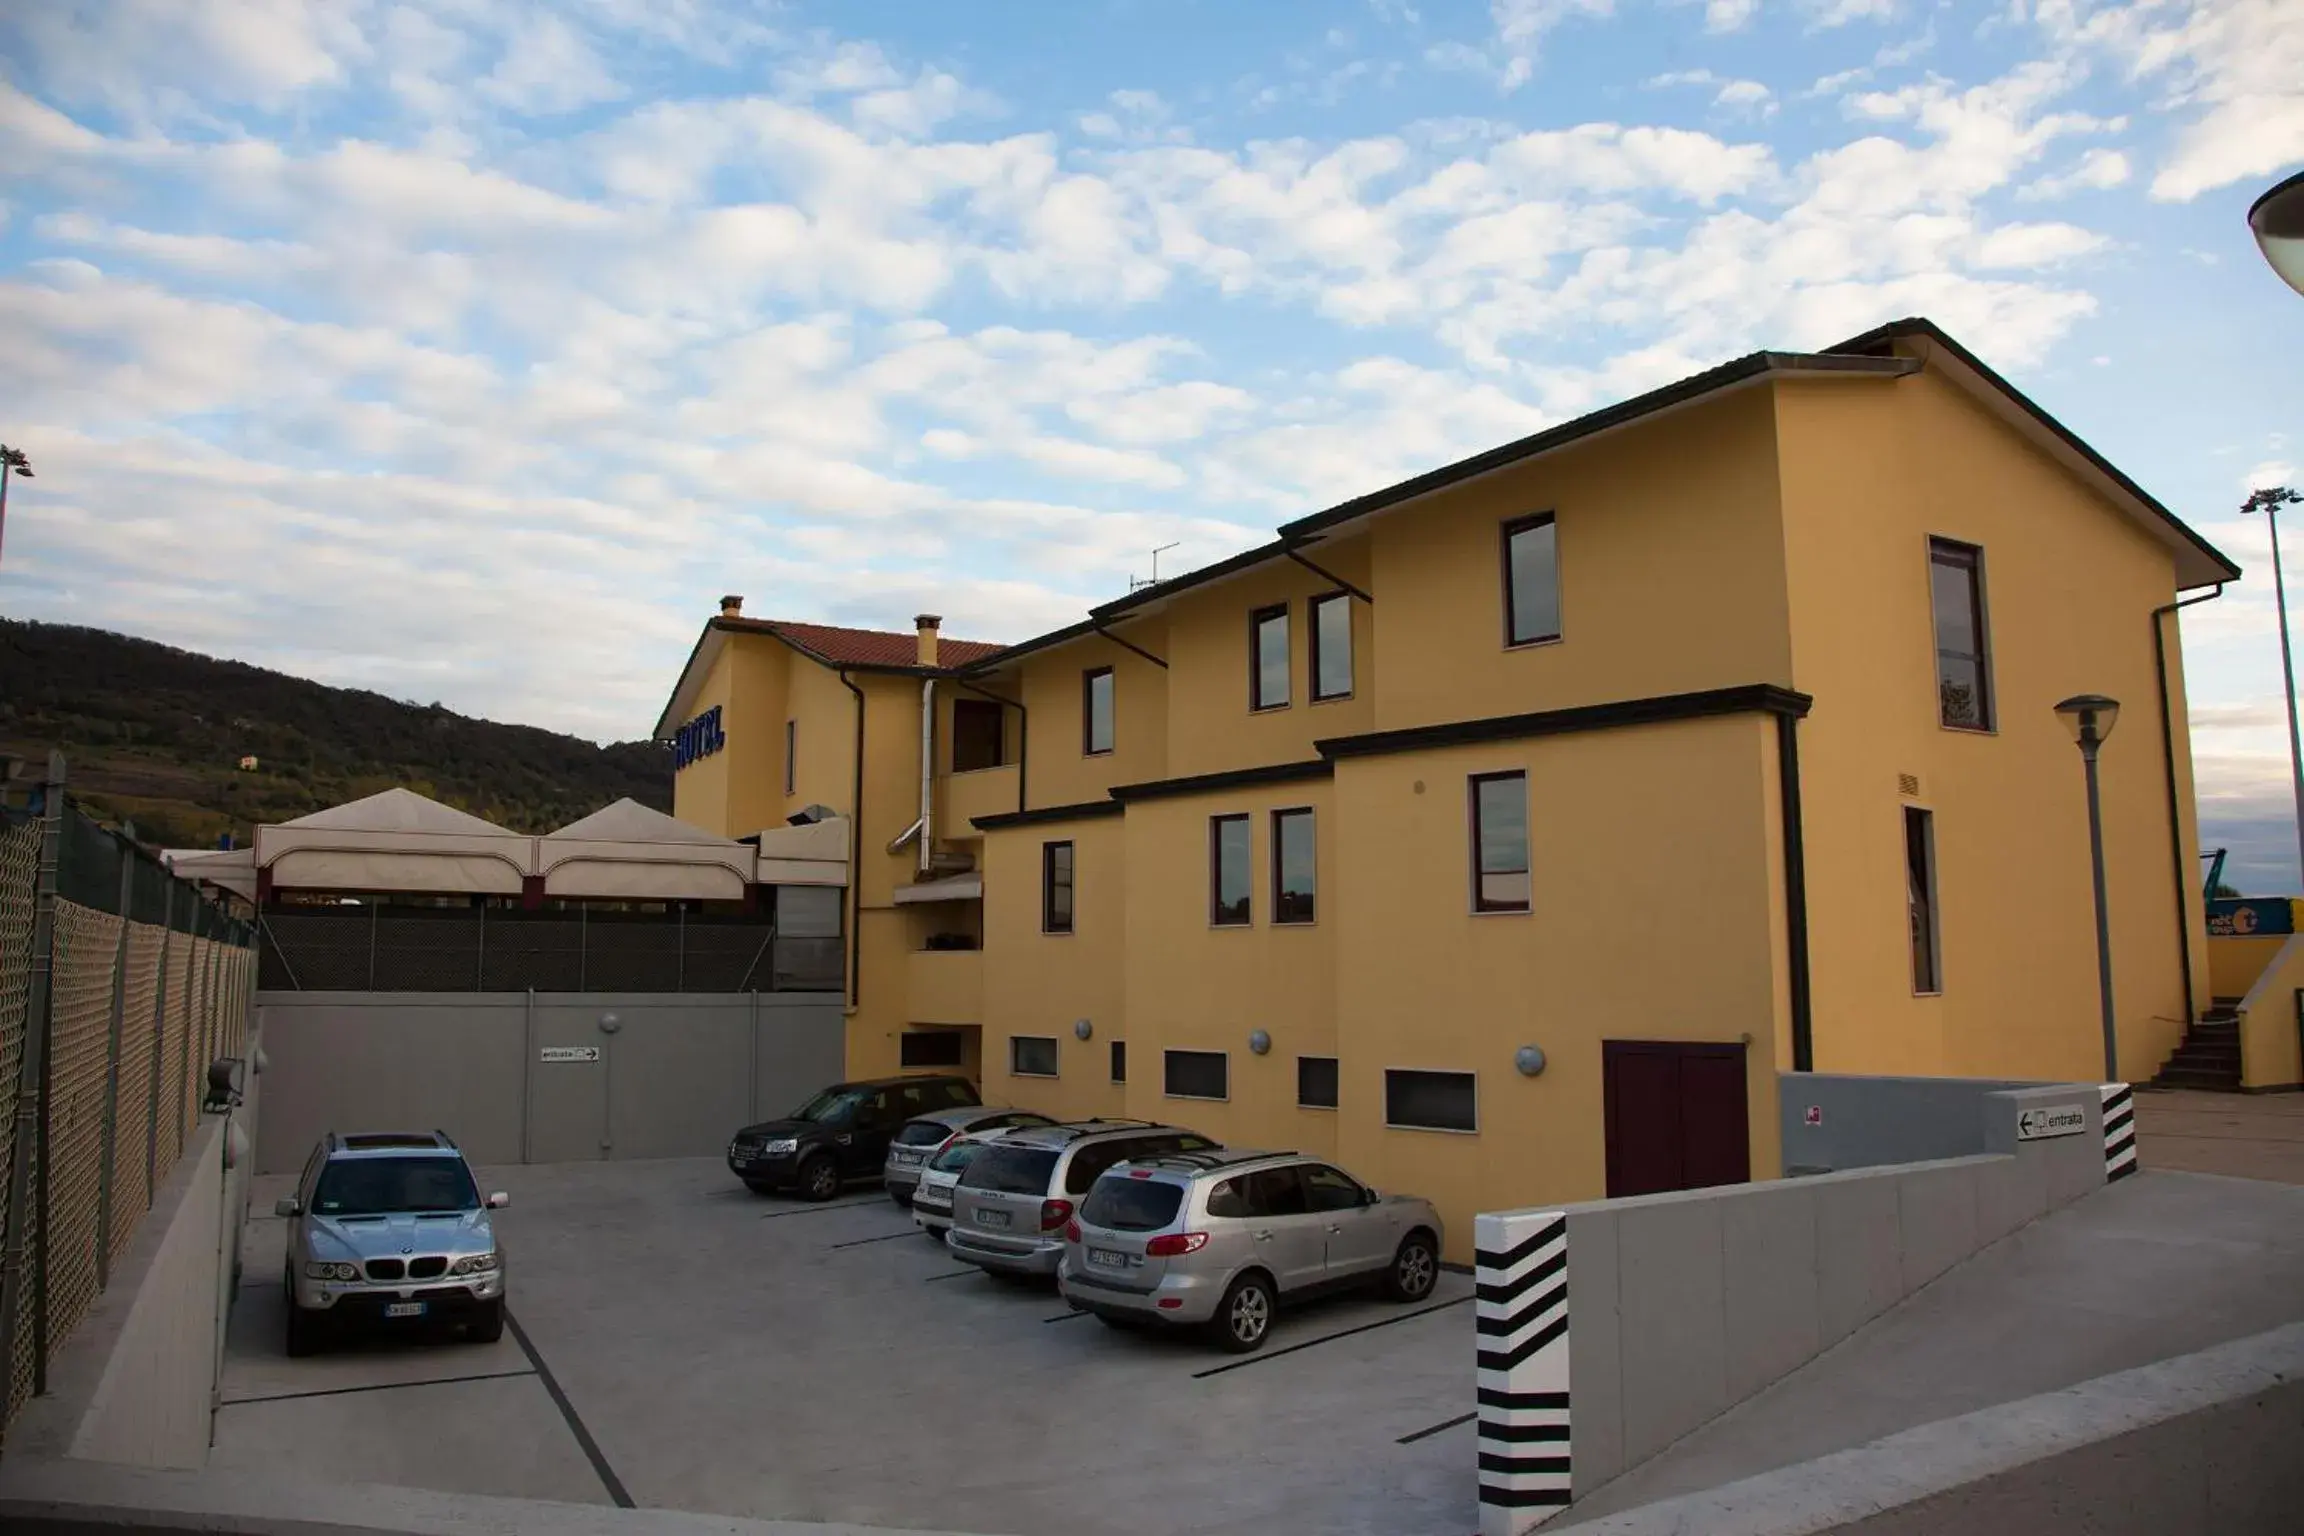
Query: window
x=1268, y=658
x=1133, y=1205
x=1275, y=1192
x=1531, y=581
x=1119, y=1061
x=929, y=1048
x=1229, y=1198
x=1096, y=720
x=977, y=735
x=1032, y=1055
x=1011, y=1170
x=1500, y=842
x=1920, y=892
x=1331, y=1189
x=1229, y=905
x=1316, y=1082
x=1055, y=887
x=1196, y=1075
x=1292, y=866
x=1430, y=1101
x=1332, y=646
x=1090, y=1162
x=791, y=756
x=1963, y=661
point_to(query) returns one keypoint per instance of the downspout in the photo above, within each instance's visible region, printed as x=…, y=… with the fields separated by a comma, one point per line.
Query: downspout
x=1795, y=894
x=2175, y=814
x=927, y=775
x=856, y=856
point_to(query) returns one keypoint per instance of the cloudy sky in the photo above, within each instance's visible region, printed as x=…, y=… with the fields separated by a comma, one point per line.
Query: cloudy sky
x=468, y=349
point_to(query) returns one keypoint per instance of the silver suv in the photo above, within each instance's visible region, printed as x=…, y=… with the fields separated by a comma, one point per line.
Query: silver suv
x=1013, y=1200
x=923, y=1136
x=390, y=1229
x=1221, y=1238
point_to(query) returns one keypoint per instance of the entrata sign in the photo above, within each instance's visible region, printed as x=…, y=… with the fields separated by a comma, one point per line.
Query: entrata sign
x=700, y=737
x=2054, y=1120
x=569, y=1053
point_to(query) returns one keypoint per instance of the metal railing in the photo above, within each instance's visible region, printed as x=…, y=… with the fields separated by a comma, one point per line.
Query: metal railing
x=118, y=985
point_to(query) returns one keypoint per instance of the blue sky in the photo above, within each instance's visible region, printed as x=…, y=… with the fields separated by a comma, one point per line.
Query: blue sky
x=469, y=349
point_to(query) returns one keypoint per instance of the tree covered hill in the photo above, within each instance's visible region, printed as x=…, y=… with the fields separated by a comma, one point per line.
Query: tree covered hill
x=156, y=735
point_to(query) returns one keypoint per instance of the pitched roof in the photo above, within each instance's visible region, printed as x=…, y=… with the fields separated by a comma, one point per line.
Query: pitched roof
x=396, y=810
x=628, y=821
x=846, y=647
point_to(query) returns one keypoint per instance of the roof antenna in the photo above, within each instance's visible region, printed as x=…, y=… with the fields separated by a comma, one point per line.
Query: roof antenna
x=1134, y=584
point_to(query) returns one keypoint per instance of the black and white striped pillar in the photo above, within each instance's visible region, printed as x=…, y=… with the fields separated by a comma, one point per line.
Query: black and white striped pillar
x=2119, y=1130
x=1521, y=1274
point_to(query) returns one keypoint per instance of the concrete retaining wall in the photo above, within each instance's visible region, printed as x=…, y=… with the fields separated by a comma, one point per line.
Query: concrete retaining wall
x=1836, y=1121
x=1609, y=1330
x=2203, y=1445
x=677, y=1073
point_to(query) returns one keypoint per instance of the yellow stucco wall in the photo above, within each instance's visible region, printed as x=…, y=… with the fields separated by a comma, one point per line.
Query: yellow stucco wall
x=1871, y=469
x=1651, y=922
x=734, y=791
x=1059, y=772
x=2271, y=1048
x=1040, y=984
x=2235, y=963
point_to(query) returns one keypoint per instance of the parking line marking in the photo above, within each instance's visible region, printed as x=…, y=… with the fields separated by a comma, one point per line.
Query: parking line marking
x=1063, y=1317
x=954, y=1274
x=813, y=1210
x=1341, y=1333
x=381, y=1386
x=885, y=1237
x=584, y=1441
x=1462, y=1418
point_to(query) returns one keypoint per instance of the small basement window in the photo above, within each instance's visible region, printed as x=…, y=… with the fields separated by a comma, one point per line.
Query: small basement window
x=1316, y=1082
x=1196, y=1075
x=1430, y=1101
x=929, y=1048
x=1032, y=1055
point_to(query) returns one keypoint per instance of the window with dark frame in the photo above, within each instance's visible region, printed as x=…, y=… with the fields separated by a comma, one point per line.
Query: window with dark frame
x=978, y=735
x=1331, y=628
x=1230, y=903
x=1268, y=658
x=1055, y=888
x=1196, y=1075
x=791, y=756
x=1032, y=1055
x=1963, y=654
x=1294, y=867
x=1096, y=711
x=1119, y=1061
x=1920, y=896
x=1316, y=1082
x=1531, y=580
x=1431, y=1101
x=1500, y=881
x=929, y=1048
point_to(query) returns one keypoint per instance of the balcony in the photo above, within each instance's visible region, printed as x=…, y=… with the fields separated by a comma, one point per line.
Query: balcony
x=944, y=986
x=979, y=792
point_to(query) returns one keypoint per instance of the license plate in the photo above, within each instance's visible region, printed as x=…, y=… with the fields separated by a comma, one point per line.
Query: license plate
x=1105, y=1258
x=404, y=1309
x=991, y=1218
x=907, y=1157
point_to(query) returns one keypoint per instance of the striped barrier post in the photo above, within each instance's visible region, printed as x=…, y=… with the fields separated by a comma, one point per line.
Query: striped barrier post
x=2119, y=1130
x=1521, y=1307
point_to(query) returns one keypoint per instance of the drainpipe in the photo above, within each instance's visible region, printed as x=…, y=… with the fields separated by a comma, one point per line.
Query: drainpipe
x=2184, y=873
x=927, y=776
x=856, y=856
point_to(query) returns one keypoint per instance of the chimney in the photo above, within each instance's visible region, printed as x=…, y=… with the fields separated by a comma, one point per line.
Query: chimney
x=926, y=623
x=732, y=607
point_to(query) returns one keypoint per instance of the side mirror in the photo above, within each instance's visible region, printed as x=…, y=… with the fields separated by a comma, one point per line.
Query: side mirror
x=287, y=1207
x=498, y=1200
x=1369, y=1196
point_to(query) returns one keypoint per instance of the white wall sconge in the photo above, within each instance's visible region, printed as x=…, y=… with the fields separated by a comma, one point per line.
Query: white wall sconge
x=609, y=1023
x=1259, y=1041
x=1082, y=1029
x=1530, y=1060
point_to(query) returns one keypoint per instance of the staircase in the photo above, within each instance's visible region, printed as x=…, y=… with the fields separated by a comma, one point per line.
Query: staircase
x=2210, y=1055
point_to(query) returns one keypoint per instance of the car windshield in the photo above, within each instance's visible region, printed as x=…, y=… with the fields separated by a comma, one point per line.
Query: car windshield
x=923, y=1133
x=956, y=1156
x=832, y=1104
x=1128, y=1204
x=1012, y=1170
x=383, y=1186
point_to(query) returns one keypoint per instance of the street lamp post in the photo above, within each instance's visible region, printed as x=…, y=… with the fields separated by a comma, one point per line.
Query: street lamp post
x=2269, y=500
x=2277, y=218
x=2090, y=717
x=10, y=459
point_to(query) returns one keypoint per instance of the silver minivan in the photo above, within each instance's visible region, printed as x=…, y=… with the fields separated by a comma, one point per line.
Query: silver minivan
x=1222, y=1238
x=1011, y=1205
x=923, y=1136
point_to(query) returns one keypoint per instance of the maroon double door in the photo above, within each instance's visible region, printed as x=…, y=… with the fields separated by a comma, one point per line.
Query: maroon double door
x=1676, y=1116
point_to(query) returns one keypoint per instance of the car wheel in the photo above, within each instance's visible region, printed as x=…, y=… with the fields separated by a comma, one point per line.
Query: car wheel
x=488, y=1327
x=1415, y=1269
x=819, y=1177
x=303, y=1331
x=1245, y=1314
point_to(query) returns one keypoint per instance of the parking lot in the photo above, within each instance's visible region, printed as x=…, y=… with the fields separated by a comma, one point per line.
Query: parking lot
x=679, y=1342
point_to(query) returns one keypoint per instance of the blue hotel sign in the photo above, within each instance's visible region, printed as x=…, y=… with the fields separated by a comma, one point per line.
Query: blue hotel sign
x=700, y=737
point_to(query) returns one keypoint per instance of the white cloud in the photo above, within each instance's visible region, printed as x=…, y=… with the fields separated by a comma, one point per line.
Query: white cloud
x=548, y=67
x=1509, y=58
x=2096, y=170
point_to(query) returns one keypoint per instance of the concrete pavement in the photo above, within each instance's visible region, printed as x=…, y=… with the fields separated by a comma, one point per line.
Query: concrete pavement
x=2246, y=1135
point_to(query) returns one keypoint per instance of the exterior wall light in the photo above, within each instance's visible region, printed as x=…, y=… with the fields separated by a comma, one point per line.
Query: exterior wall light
x=1259, y=1041
x=1082, y=1029
x=1530, y=1060
x=609, y=1023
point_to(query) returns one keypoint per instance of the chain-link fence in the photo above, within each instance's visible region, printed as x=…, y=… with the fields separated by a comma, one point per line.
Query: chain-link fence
x=118, y=985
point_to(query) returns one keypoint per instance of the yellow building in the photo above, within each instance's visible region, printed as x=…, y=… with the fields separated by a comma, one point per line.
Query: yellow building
x=1505, y=833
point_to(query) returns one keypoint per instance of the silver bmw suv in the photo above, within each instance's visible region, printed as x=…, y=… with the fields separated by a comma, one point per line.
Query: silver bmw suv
x=390, y=1229
x=1220, y=1238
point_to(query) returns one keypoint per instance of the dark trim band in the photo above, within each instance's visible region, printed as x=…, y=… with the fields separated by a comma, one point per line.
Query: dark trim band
x=1234, y=778
x=1046, y=813
x=1745, y=699
x=1796, y=991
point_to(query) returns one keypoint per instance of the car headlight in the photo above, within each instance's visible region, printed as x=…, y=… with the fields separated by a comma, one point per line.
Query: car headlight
x=780, y=1146
x=475, y=1264
x=319, y=1271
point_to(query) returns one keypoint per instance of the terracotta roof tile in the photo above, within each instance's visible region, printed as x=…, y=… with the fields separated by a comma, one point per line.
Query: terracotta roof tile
x=876, y=647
